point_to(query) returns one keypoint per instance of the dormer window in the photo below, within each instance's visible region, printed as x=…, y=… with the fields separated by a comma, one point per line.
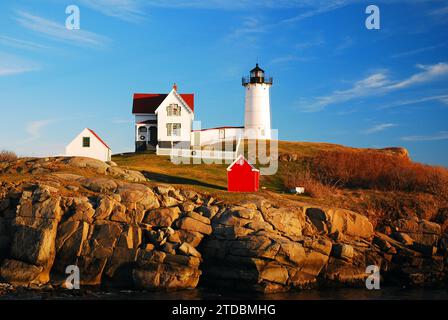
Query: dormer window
x=173, y=110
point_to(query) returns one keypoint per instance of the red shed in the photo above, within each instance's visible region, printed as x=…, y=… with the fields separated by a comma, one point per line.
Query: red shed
x=242, y=176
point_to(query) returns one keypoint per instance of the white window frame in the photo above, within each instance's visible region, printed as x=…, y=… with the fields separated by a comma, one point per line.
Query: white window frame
x=173, y=129
x=173, y=110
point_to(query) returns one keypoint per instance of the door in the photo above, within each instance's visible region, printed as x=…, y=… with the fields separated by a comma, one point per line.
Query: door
x=153, y=136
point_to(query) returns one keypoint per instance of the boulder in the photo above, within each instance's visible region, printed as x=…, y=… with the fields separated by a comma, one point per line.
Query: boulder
x=287, y=220
x=404, y=238
x=339, y=272
x=191, y=237
x=274, y=273
x=81, y=209
x=198, y=217
x=166, y=277
x=343, y=251
x=89, y=163
x=69, y=243
x=187, y=206
x=420, y=230
x=189, y=250
x=138, y=197
x=346, y=222
x=91, y=270
x=34, y=240
x=163, y=217
x=107, y=206
x=101, y=185
x=19, y=273
x=190, y=224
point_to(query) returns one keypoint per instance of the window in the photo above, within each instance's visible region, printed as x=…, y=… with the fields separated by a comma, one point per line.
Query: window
x=86, y=142
x=142, y=130
x=222, y=134
x=173, y=129
x=173, y=110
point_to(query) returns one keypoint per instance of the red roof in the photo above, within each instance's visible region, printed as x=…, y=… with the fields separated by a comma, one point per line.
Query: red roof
x=242, y=162
x=149, y=102
x=98, y=137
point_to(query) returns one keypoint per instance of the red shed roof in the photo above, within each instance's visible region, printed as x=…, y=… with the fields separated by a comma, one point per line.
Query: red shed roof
x=243, y=161
x=149, y=102
x=98, y=137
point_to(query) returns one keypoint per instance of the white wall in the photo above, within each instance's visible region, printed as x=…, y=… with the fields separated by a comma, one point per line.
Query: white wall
x=212, y=136
x=257, y=116
x=97, y=149
x=185, y=120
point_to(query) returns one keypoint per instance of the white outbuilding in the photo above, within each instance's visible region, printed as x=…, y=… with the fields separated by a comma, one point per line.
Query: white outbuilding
x=89, y=144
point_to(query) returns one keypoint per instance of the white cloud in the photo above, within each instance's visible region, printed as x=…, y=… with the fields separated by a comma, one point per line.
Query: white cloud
x=315, y=8
x=442, y=11
x=429, y=73
x=250, y=26
x=288, y=58
x=247, y=4
x=11, y=65
x=58, y=31
x=34, y=128
x=417, y=51
x=128, y=10
x=441, y=98
x=317, y=42
x=375, y=84
x=379, y=128
x=346, y=43
x=442, y=135
x=21, y=44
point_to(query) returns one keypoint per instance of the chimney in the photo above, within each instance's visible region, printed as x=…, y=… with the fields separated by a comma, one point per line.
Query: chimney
x=175, y=87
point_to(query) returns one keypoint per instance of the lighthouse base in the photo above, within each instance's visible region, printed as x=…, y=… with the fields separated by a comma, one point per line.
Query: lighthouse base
x=257, y=134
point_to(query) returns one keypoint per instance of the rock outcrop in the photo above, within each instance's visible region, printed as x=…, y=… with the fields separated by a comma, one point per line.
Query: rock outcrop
x=275, y=249
x=120, y=229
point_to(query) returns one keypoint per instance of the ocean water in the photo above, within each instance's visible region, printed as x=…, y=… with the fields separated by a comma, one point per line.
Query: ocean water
x=390, y=293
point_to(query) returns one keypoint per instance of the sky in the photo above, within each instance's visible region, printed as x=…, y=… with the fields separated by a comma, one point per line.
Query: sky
x=334, y=80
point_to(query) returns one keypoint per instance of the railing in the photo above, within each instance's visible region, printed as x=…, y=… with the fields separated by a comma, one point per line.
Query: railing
x=265, y=80
x=201, y=154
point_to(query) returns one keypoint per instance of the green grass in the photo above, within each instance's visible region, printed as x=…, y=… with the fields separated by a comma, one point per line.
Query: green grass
x=212, y=178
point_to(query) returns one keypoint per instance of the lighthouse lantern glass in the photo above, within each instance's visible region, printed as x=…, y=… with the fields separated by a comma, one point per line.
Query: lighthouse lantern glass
x=257, y=74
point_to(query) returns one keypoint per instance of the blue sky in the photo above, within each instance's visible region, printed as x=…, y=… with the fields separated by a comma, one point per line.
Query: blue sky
x=334, y=80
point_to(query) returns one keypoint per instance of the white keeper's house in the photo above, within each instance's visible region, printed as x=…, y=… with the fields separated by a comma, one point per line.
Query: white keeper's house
x=165, y=121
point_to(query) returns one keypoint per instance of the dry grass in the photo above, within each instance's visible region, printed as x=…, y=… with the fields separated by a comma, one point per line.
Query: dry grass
x=372, y=170
x=313, y=187
x=7, y=156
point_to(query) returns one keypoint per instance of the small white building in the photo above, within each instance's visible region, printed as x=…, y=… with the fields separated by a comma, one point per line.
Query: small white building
x=88, y=144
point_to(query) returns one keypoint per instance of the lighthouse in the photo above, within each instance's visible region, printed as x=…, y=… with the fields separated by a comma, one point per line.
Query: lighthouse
x=257, y=117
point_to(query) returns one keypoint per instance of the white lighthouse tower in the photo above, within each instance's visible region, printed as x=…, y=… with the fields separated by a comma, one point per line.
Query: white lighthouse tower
x=257, y=118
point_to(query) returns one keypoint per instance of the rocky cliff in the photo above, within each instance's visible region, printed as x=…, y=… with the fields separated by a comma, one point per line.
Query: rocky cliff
x=121, y=229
